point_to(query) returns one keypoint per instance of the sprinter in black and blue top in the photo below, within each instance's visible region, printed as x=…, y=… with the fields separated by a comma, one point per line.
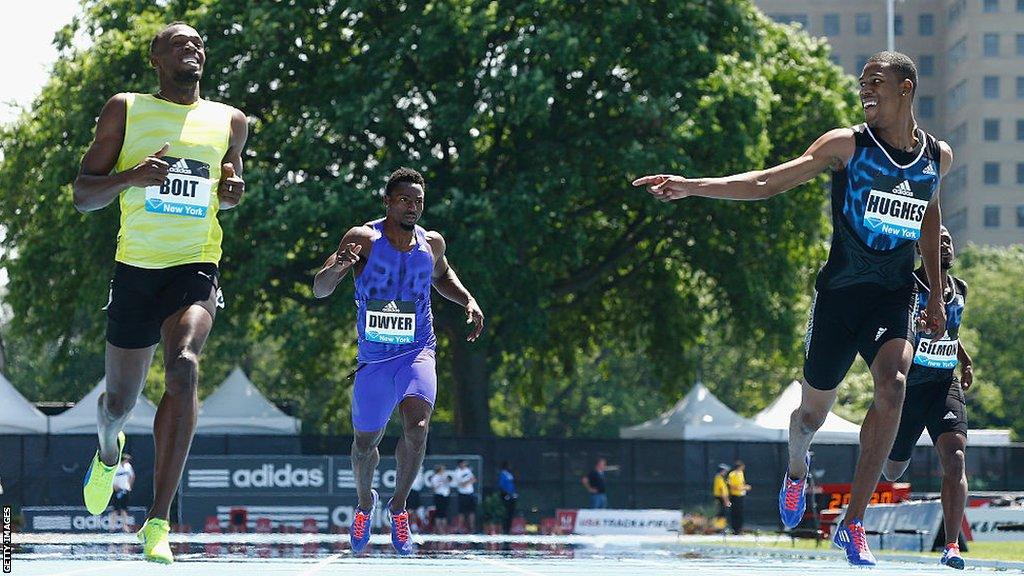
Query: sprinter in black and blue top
x=885, y=184
x=935, y=400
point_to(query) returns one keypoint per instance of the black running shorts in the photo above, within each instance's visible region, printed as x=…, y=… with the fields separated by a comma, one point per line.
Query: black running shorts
x=938, y=406
x=141, y=299
x=851, y=320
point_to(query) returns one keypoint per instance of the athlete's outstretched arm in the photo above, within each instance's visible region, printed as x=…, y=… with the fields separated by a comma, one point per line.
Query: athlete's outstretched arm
x=933, y=317
x=831, y=151
x=355, y=245
x=447, y=283
x=231, y=186
x=97, y=185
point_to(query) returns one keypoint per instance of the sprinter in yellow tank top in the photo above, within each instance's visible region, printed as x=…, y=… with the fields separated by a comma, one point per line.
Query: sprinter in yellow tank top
x=174, y=161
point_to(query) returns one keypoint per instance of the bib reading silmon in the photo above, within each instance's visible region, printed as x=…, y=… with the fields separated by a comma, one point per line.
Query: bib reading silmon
x=174, y=223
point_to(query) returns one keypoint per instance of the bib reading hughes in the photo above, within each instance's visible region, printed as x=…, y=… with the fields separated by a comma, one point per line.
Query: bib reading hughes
x=174, y=223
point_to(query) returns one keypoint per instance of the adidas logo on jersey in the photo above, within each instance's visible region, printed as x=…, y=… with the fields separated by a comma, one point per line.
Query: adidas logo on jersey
x=391, y=307
x=180, y=167
x=949, y=416
x=903, y=189
x=929, y=169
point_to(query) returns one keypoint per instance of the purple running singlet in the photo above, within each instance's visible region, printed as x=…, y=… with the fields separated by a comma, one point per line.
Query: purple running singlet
x=395, y=327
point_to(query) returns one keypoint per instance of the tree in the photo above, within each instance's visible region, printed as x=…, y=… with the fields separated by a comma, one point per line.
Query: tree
x=528, y=120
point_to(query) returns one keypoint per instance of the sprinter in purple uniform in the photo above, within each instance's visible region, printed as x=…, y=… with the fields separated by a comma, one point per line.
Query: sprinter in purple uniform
x=394, y=262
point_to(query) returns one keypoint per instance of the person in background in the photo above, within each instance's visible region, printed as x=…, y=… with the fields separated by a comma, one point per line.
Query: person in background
x=595, y=484
x=414, y=501
x=509, y=496
x=738, y=489
x=465, y=480
x=441, y=485
x=720, y=490
x=124, y=480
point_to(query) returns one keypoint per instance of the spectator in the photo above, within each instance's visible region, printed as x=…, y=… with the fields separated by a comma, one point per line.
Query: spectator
x=595, y=484
x=465, y=480
x=720, y=490
x=738, y=489
x=124, y=479
x=509, y=496
x=441, y=485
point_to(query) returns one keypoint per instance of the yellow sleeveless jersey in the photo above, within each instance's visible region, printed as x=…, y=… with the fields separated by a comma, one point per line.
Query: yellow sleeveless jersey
x=175, y=223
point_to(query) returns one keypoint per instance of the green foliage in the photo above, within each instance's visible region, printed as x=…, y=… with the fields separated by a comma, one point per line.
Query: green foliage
x=492, y=510
x=528, y=120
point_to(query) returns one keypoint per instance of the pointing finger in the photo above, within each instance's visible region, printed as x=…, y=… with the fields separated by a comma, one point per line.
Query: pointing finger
x=162, y=150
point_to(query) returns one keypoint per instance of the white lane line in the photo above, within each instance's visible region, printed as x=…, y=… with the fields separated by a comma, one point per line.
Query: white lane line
x=106, y=566
x=319, y=565
x=504, y=565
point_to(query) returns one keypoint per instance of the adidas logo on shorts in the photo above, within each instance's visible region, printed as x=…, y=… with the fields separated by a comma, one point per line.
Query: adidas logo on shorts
x=180, y=167
x=391, y=307
x=949, y=416
x=879, y=334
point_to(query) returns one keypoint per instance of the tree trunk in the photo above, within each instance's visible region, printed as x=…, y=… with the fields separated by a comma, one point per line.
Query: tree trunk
x=472, y=385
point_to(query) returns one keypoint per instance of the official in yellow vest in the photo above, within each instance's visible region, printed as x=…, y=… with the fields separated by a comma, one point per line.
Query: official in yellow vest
x=738, y=489
x=173, y=161
x=720, y=490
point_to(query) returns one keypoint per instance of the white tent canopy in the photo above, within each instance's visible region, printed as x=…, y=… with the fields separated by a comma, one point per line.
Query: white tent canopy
x=81, y=418
x=17, y=414
x=835, y=430
x=237, y=407
x=699, y=416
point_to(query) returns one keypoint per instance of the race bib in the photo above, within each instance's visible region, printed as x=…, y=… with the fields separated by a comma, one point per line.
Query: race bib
x=939, y=353
x=185, y=192
x=390, y=321
x=894, y=211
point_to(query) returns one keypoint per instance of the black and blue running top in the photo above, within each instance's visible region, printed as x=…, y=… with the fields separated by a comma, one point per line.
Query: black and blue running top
x=878, y=203
x=935, y=358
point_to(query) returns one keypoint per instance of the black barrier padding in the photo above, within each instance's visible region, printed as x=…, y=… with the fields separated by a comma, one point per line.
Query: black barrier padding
x=47, y=470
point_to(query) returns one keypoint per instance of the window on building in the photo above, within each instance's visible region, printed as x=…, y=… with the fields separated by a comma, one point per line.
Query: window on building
x=958, y=135
x=832, y=25
x=926, y=106
x=1020, y=216
x=990, y=87
x=863, y=24
x=836, y=59
x=991, y=6
x=955, y=182
x=1020, y=5
x=862, y=59
x=956, y=11
x=991, y=173
x=956, y=53
x=897, y=25
x=1020, y=87
x=991, y=130
x=956, y=221
x=800, y=19
x=956, y=97
x=926, y=24
x=926, y=65
x=990, y=44
x=1020, y=44
x=1020, y=130
x=1020, y=172
x=991, y=216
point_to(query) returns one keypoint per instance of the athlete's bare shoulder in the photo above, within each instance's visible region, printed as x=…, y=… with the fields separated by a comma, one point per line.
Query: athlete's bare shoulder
x=838, y=146
x=437, y=244
x=947, y=157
